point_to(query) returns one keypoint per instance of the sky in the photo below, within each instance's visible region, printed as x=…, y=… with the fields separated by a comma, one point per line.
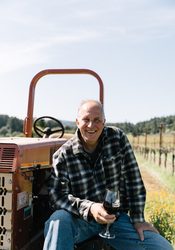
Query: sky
x=130, y=44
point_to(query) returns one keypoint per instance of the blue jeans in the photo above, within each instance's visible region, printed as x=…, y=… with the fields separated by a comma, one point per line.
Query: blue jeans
x=63, y=230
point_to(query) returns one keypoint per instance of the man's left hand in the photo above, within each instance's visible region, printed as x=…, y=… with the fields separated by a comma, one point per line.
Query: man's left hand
x=140, y=227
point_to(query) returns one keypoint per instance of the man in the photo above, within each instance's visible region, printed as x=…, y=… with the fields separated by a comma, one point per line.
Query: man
x=98, y=157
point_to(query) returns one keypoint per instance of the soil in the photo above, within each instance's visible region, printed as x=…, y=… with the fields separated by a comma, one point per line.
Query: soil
x=150, y=181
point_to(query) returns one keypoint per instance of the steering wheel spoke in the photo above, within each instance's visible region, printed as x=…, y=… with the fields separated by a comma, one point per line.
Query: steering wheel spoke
x=47, y=130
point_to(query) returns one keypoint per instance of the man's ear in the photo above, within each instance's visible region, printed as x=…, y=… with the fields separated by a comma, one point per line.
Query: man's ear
x=77, y=122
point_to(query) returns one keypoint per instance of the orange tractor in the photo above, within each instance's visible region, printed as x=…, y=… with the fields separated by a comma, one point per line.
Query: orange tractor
x=25, y=164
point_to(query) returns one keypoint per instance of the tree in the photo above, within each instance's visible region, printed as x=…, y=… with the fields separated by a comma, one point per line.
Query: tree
x=15, y=124
x=3, y=120
x=4, y=131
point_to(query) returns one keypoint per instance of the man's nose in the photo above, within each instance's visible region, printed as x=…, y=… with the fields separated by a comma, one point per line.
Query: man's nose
x=90, y=123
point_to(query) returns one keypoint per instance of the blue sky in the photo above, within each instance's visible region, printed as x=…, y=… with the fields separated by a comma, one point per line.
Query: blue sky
x=129, y=43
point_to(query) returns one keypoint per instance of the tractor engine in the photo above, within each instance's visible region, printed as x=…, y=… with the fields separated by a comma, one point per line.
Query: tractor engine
x=25, y=166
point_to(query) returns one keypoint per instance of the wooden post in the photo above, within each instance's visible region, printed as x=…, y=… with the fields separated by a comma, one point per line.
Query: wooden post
x=138, y=142
x=154, y=149
x=173, y=141
x=173, y=165
x=160, y=141
x=146, y=139
x=173, y=154
x=146, y=150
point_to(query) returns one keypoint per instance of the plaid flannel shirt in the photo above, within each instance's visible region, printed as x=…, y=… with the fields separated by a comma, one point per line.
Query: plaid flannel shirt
x=77, y=183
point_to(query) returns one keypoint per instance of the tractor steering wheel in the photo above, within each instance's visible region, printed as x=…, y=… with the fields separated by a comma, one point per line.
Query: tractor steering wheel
x=55, y=126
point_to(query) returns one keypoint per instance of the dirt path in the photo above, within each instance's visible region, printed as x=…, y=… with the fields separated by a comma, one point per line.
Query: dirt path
x=150, y=177
x=150, y=181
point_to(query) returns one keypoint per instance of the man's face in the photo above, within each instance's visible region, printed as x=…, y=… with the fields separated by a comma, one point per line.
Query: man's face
x=90, y=122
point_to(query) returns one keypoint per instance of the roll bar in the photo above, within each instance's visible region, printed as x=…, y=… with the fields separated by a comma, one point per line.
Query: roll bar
x=28, y=122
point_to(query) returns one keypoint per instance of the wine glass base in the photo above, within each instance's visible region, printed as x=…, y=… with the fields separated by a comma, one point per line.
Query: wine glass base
x=107, y=235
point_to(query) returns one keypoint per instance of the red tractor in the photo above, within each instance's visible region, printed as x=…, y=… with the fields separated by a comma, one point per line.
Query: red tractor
x=25, y=164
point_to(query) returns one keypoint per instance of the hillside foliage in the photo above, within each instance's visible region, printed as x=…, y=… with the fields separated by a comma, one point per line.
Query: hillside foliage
x=151, y=126
x=10, y=126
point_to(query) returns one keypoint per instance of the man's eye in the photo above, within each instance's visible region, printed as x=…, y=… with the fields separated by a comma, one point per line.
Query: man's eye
x=86, y=120
x=97, y=120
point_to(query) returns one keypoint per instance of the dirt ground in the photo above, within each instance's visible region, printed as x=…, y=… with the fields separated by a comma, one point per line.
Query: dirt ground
x=150, y=181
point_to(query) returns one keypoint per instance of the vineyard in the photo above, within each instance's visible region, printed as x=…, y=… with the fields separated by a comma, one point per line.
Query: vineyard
x=158, y=148
x=156, y=154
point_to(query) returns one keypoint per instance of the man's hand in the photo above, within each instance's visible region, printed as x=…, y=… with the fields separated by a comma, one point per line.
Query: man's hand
x=100, y=215
x=140, y=227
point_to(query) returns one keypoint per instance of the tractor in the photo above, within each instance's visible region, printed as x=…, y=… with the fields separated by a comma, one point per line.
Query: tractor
x=25, y=167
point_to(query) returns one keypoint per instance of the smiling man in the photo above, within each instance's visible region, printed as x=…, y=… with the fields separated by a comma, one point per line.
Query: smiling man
x=90, y=122
x=96, y=158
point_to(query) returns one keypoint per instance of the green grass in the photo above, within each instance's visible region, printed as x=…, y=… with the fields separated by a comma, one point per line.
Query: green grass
x=160, y=206
x=160, y=173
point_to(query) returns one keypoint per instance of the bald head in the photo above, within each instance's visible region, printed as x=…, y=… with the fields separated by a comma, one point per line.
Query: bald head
x=86, y=104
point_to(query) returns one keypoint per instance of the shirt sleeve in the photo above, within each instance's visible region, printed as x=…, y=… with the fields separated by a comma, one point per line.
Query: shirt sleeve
x=60, y=191
x=136, y=193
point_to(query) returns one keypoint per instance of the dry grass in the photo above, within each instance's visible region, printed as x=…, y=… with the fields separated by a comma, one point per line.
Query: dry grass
x=153, y=140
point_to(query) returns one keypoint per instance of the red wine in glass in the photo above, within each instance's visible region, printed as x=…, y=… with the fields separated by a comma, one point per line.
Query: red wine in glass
x=111, y=204
x=111, y=208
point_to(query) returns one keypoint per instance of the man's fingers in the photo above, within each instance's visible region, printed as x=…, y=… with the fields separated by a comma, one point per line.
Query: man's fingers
x=143, y=226
x=106, y=218
x=141, y=235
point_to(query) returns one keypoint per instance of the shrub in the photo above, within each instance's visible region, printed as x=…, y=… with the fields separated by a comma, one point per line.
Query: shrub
x=160, y=211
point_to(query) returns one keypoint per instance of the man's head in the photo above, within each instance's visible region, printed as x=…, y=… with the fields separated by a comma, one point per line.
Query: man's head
x=90, y=121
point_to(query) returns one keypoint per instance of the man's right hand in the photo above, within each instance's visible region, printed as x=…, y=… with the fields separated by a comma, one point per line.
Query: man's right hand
x=100, y=215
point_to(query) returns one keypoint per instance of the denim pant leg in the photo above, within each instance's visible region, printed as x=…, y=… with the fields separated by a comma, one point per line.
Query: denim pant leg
x=62, y=230
x=128, y=239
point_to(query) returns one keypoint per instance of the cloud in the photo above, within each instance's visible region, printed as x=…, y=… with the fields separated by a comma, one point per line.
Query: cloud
x=29, y=31
x=23, y=53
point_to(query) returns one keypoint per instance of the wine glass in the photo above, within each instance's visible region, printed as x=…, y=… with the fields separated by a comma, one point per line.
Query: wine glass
x=111, y=204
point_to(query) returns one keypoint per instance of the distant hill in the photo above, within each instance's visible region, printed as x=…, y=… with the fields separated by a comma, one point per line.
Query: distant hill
x=151, y=126
x=11, y=125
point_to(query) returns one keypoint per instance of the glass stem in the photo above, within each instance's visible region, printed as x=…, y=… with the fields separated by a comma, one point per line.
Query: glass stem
x=107, y=227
